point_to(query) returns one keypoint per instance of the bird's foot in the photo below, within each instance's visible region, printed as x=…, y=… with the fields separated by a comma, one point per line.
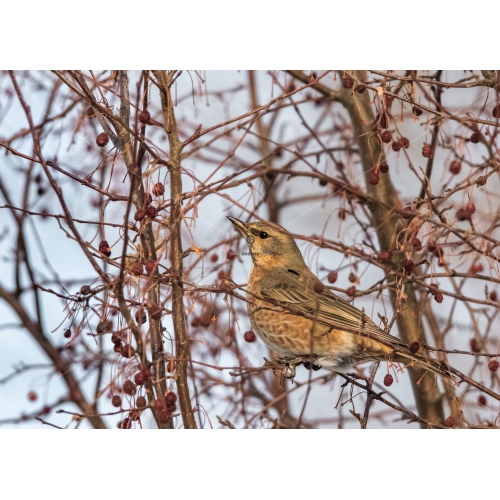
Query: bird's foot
x=291, y=363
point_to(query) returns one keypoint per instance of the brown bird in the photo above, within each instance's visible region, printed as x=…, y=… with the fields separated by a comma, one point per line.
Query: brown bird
x=303, y=321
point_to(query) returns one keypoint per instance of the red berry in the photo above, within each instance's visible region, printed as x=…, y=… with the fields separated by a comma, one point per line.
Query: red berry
x=348, y=82
x=493, y=296
x=144, y=116
x=404, y=142
x=417, y=244
x=139, y=378
x=351, y=291
x=171, y=397
x=408, y=265
x=332, y=277
x=449, y=422
x=139, y=215
x=140, y=316
x=427, y=151
x=67, y=334
x=127, y=351
x=195, y=322
x=471, y=207
x=32, y=396
x=151, y=211
x=158, y=405
x=125, y=424
x=214, y=257
x=414, y=347
x=170, y=367
x=463, y=214
x=383, y=168
x=388, y=100
x=140, y=402
x=384, y=256
x=455, y=167
x=147, y=373
x=493, y=365
x=165, y=416
x=129, y=387
x=482, y=400
x=475, y=137
x=386, y=136
x=116, y=401
x=496, y=111
x=352, y=278
x=104, y=248
x=231, y=254
x=374, y=177
x=150, y=266
x=221, y=275
x=158, y=189
x=388, y=380
x=137, y=268
x=476, y=268
x=318, y=287
x=438, y=297
x=250, y=336
x=155, y=311
x=431, y=246
x=102, y=139
x=396, y=146
x=474, y=345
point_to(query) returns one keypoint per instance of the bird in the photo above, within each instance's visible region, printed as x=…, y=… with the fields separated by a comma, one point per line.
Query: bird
x=302, y=320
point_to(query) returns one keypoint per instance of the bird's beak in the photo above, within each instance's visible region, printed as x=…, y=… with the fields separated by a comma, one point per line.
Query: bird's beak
x=240, y=226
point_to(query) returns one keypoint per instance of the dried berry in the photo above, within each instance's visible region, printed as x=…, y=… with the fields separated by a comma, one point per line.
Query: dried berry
x=151, y=211
x=147, y=373
x=116, y=401
x=360, y=89
x=433, y=288
x=250, y=336
x=348, y=82
x=214, y=257
x=171, y=407
x=438, y=297
x=482, y=400
x=388, y=100
x=417, y=111
x=85, y=290
x=476, y=268
x=127, y=351
x=493, y=365
x=463, y=214
x=171, y=397
x=221, y=275
x=427, y=151
x=332, y=277
x=91, y=112
x=32, y=396
x=155, y=311
x=165, y=416
x=474, y=345
x=417, y=244
x=102, y=139
x=384, y=121
x=139, y=378
x=104, y=326
x=144, y=116
x=150, y=266
x=137, y=268
x=408, y=265
x=158, y=189
x=323, y=182
x=351, y=291
x=471, y=207
x=475, y=137
x=383, y=168
x=158, y=405
x=278, y=152
x=139, y=215
x=170, y=366
x=352, y=278
x=67, y=334
x=449, y=422
x=195, y=322
x=231, y=254
x=384, y=256
x=140, y=316
x=455, y=167
x=125, y=424
x=396, y=146
x=496, y=111
x=414, y=347
x=405, y=142
x=318, y=287
x=342, y=214
x=374, y=177
x=129, y=387
x=386, y=136
x=134, y=415
x=140, y=402
x=388, y=380
x=104, y=248
x=493, y=296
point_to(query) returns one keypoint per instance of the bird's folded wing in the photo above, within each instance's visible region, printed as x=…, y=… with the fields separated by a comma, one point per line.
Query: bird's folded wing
x=325, y=307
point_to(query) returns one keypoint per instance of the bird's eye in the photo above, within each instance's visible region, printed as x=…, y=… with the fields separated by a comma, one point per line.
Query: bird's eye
x=263, y=235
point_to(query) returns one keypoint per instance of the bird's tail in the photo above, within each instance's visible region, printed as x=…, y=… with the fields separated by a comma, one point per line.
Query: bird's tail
x=440, y=368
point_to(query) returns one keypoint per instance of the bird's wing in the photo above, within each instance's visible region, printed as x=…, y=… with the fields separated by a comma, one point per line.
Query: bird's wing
x=325, y=307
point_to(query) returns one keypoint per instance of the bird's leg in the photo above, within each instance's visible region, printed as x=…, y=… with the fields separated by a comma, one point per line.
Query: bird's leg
x=290, y=364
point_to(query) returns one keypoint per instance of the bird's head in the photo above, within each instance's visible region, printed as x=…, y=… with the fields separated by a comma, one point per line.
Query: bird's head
x=270, y=244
